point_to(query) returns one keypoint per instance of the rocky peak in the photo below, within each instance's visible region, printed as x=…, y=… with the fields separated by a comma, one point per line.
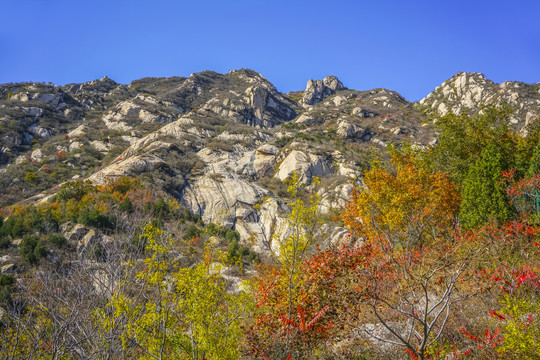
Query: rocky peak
x=103, y=85
x=317, y=90
x=470, y=92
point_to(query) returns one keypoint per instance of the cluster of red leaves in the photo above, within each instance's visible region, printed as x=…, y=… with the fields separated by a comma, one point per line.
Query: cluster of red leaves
x=523, y=194
x=325, y=284
x=514, y=252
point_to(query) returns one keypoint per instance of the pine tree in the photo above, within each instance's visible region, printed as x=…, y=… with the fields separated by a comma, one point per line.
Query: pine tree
x=534, y=166
x=484, y=196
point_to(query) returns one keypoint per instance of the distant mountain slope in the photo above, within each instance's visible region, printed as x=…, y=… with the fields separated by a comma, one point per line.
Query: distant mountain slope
x=469, y=92
x=222, y=144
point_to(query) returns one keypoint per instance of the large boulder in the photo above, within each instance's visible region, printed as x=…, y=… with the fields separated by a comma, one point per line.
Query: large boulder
x=222, y=197
x=8, y=269
x=348, y=130
x=265, y=159
x=306, y=166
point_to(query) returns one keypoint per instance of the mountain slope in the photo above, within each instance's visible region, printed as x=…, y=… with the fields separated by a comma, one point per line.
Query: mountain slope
x=222, y=144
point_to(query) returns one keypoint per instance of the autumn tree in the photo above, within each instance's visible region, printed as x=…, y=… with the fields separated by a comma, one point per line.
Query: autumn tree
x=162, y=310
x=404, y=216
x=409, y=202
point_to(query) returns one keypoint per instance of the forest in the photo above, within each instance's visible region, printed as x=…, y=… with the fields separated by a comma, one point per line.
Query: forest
x=442, y=261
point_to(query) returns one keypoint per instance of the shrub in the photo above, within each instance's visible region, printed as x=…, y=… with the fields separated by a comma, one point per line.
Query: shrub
x=159, y=209
x=232, y=235
x=4, y=242
x=58, y=240
x=7, y=286
x=32, y=249
x=74, y=190
x=191, y=232
x=30, y=177
x=126, y=206
x=96, y=219
x=13, y=226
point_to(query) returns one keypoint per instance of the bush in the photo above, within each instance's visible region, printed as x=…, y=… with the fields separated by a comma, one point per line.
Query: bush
x=126, y=206
x=13, y=226
x=32, y=249
x=96, y=219
x=4, y=242
x=159, y=209
x=74, y=190
x=58, y=239
x=7, y=287
x=192, y=232
x=232, y=236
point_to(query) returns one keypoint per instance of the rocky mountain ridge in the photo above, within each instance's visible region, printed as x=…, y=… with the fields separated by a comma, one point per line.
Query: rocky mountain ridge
x=470, y=92
x=223, y=144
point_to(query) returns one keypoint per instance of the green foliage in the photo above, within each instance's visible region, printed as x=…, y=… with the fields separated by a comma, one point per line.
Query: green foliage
x=159, y=209
x=126, y=206
x=484, y=193
x=32, y=249
x=31, y=177
x=74, y=190
x=236, y=252
x=191, y=232
x=58, y=239
x=232, y=236
x=7, y=287
x=215, y=230
x=94, y=218
x=521, y=333
x=534, y=166
x=187, y=312
x=463, y=138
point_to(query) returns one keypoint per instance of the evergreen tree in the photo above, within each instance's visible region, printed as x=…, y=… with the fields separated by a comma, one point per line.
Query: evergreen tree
x=534, y=166
x=484, y=196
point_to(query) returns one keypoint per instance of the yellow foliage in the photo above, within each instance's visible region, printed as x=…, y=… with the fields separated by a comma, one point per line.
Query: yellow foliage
x=185, y=313
x=409, y=198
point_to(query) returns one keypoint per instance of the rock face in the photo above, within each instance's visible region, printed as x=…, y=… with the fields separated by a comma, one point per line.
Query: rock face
x=306, y=166
x=470, y=92
x=317, y=90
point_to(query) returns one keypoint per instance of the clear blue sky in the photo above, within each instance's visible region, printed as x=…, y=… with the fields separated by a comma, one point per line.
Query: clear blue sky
x=407, y=46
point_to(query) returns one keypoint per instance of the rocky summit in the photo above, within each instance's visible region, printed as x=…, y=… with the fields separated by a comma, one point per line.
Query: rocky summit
x=223, y=144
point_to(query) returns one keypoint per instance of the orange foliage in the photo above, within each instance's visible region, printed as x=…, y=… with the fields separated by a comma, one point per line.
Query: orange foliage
x=398, y=200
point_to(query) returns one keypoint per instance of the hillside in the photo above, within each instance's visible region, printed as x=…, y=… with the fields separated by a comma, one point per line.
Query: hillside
x=102, y=184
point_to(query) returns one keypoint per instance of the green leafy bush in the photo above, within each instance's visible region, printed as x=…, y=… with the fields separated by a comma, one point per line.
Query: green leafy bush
x=58, y=240
x=74, y=190
x=191, y=232
x=32, y=249
x=96, y=219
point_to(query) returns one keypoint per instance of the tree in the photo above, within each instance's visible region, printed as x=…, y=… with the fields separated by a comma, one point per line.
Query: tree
x=291, y=246
x=326, y=301
x=412, y=262
x=534, y=165
x=407, y=201
x=462, y=139
x=484, y=192
x=163, y=311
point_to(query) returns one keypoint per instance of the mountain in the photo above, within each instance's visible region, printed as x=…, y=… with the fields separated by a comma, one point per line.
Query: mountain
x=470, y=92
x=222, y=144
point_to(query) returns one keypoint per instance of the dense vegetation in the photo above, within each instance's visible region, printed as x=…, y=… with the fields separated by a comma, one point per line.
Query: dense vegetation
x=442, y=262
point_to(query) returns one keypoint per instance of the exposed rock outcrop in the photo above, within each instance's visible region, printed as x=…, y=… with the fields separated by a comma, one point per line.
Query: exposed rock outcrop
x=470, y=92
x=317, y=90
x=306, y=166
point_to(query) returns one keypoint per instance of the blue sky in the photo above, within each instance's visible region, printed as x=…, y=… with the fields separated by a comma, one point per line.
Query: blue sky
x=407, y=46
